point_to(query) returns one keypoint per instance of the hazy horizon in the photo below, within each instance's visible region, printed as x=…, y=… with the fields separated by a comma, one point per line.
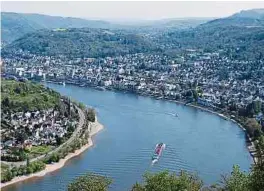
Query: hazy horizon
x=131, y=11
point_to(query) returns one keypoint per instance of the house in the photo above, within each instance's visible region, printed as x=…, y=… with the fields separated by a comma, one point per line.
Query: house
x=9, y=143
x=259, y=117
x=204, y=102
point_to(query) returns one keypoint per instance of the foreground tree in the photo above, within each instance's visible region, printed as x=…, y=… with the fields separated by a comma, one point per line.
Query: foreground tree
x=254, y=181
x=237, y=181
x=257, y=173
x=165, y=181
x=90, y=182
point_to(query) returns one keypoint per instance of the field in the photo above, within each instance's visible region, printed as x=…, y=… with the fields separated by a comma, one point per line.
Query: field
x=36, y=151
x=43, y=149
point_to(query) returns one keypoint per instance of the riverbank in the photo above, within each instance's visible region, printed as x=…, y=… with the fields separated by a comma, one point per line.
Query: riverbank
x=95, y=128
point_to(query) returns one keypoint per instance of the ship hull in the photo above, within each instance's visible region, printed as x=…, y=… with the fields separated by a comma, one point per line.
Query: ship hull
x=158, y=151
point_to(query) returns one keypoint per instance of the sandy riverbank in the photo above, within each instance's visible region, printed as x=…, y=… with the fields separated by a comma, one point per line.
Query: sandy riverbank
x=95, y=128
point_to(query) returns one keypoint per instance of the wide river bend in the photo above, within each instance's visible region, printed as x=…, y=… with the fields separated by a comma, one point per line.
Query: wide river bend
x=197, y=141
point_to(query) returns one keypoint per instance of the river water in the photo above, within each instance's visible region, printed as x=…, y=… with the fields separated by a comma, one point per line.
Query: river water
x=196, y=141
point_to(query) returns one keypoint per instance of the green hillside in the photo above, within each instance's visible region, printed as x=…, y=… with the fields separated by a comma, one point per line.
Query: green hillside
x=241, y=36
x=26, y=96
x=81, y=43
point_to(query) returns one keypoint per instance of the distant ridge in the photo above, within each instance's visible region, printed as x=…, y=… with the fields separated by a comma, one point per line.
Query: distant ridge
x=241, y=35
x=253, y=14
x=253, y=17
x=16, y=25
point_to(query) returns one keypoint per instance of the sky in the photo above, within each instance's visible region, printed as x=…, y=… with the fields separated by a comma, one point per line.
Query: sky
x=131, y=10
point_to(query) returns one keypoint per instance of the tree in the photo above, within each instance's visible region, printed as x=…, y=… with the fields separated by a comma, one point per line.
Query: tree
x=54, y=158
x=165, y=181
x=58, y=140
x=233, y=106
x=252, y=127
x=257, y=174
x=200, y=91
x=81, y=105
x=70, y=128
x=5, y=102
x=91, y=115
x=21, y=136
x=14, y=171
x=257, y=178
x=17, y=90
x=238, y=181
x=30, y=170
x=195, y=95
x=22, y=154
x=257, y=106
x=250, y=110
x=90, y=182
x=138, y=187
x=28, y=162
x=6, y=176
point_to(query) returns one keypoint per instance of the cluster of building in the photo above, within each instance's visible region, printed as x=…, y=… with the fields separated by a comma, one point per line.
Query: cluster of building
x=27, y=129
x=221, y=80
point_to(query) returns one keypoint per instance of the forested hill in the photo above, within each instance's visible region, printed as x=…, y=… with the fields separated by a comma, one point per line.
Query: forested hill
x=15, y=25
x=242, y=35
x=26, y=96
x=83, y=42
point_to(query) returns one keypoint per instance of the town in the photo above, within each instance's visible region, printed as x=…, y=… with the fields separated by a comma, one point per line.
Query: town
x=27, y=128
x=213, y=79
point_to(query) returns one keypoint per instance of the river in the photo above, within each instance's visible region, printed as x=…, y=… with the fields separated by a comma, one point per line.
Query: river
x=197, y=141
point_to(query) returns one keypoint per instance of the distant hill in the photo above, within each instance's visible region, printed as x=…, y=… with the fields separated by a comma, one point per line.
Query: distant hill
x=173, y=23
x=253, y=14
x=247, y=18
x=183, y=23
x=83, y=42
x=15, y=25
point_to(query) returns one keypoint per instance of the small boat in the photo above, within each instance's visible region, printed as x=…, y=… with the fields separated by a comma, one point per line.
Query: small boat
x=63, y=83
x=100, y=88
x=173, y=114
x=158, y=150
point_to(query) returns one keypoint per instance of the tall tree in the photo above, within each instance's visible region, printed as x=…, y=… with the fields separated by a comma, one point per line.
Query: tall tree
x=237, y=181
x=90, y=182
x=165, y=181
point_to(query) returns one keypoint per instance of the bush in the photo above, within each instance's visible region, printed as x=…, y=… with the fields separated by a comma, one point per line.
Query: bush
x=52, y=158
x=6, y=176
